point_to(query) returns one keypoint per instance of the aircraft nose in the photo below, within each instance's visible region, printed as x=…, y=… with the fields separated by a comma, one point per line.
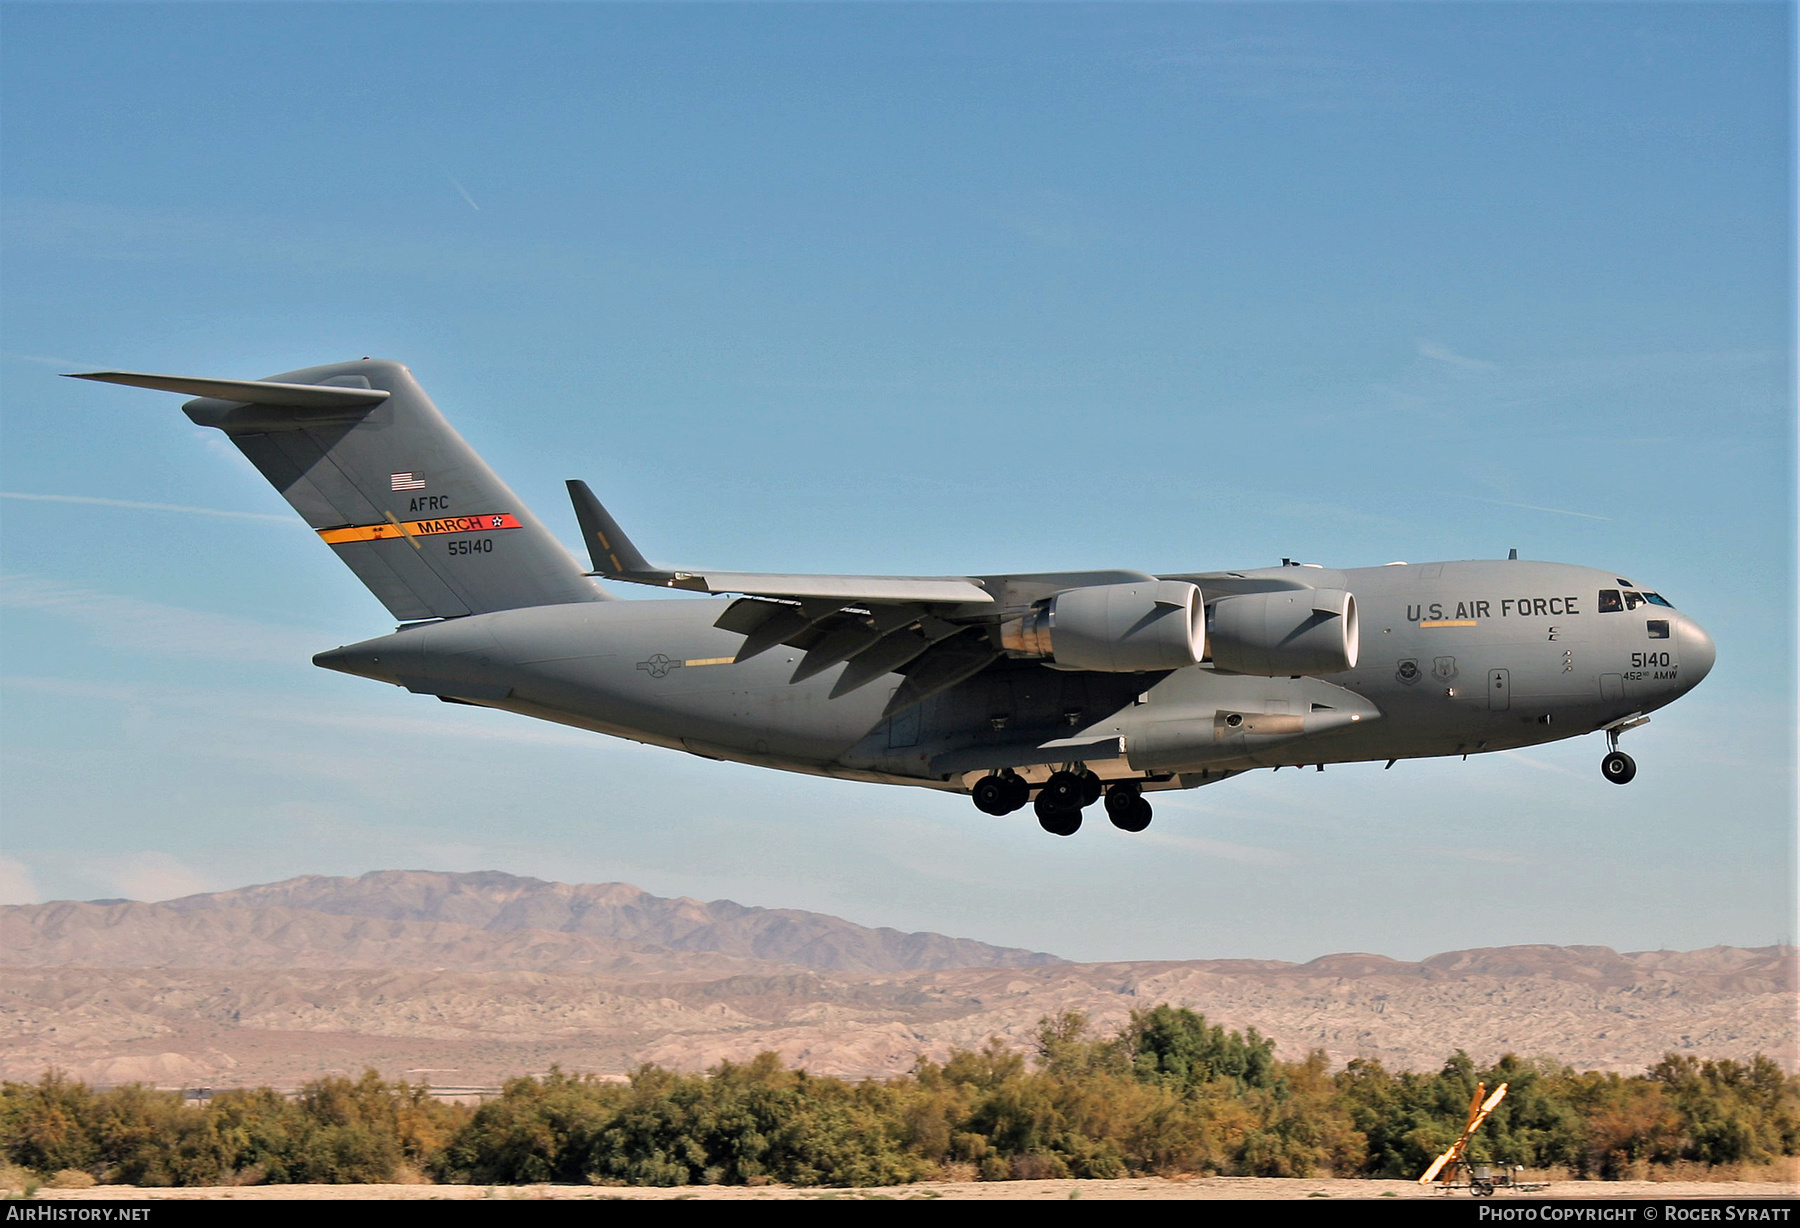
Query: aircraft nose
x=1697, y=652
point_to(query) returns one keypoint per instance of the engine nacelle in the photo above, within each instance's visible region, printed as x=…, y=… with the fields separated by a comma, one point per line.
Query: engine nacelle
x=1293, y=631
x=1114, y=628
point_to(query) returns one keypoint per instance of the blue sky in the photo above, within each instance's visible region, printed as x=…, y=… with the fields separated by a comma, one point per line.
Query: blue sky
x=909, y=289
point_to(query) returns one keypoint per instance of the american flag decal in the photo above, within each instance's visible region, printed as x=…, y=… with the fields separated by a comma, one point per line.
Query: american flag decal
x=406, y=481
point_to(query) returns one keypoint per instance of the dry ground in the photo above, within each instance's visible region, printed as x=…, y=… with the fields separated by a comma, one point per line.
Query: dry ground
x=471, y=979
x=1243, y=1188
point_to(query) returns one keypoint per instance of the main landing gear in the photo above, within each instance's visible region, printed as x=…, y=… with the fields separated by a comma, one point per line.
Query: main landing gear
x=1062, y=798
x=1057, y=820
x=1618, y=766
x=1000, y=793
x=1126, y=807
x=1060, y=801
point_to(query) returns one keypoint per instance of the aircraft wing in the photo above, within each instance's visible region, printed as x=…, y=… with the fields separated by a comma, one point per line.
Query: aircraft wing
x=1217, y=584
x=881, y=590
x=615, y=558
x=934, y=630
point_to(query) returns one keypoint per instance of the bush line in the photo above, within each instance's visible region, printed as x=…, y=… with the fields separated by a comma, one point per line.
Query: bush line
x=1168, y=1094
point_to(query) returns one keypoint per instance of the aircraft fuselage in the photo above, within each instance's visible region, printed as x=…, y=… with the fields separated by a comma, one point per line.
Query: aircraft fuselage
x=1455, y=658
x=1044, y=689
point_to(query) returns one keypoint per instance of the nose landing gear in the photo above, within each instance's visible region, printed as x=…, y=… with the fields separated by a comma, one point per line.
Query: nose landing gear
x=1618, y=766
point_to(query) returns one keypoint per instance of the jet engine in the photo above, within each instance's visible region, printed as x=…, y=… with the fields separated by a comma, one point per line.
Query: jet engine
x=1114, y=628
x=1285, y=633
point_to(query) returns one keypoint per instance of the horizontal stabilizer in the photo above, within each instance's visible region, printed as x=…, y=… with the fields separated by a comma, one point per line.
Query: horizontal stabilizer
x=248, y=391
x=365, y=458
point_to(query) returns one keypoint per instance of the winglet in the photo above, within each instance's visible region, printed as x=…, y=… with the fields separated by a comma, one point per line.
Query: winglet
x=612, y=552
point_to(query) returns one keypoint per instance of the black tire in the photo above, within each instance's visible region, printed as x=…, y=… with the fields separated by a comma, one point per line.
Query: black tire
x=1057, y=820
x=1018, y=792
x=1064, y=791
x=1134, y=817
x=1120, y=797
x=1091, y=788
x=1618, y=767
x=992, y=796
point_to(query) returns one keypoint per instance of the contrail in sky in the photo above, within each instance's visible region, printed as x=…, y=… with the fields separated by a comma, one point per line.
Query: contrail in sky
x=465, y=192
x=147, y=507
x=1532, y=507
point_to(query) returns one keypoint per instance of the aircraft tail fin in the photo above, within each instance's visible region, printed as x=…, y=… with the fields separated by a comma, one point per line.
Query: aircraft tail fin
x=367, y=460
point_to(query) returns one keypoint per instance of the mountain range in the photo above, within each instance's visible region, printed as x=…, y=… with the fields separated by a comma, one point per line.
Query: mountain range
x=466, y=979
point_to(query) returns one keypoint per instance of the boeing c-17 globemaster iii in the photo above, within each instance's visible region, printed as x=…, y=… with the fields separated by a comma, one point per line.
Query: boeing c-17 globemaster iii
x=1053, y=690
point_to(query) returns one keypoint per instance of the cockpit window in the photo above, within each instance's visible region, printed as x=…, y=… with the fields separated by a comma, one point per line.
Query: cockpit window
x=1657, y=627
x=1657, y=599
x=1633, y=600
x=1609, y=601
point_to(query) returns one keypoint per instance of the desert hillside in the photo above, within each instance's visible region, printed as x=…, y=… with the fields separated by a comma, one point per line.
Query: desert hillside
x=464, y=979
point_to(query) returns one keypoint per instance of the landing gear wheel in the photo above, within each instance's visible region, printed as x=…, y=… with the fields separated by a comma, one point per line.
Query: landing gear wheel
x=1618, y=767
x=1134, y=816
x=1063, y=791
x=1126, y=807
x=1091, y=788
x=1057, y=820
x=1018, y=792
x=992, y=796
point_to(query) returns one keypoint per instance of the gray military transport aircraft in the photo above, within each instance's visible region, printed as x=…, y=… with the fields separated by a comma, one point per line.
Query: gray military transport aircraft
x=1051, y=690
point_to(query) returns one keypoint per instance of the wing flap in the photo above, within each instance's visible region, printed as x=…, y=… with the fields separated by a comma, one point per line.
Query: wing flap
x=955, y=659
x=764, y=624
x=835, y=647
x=892, y=653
